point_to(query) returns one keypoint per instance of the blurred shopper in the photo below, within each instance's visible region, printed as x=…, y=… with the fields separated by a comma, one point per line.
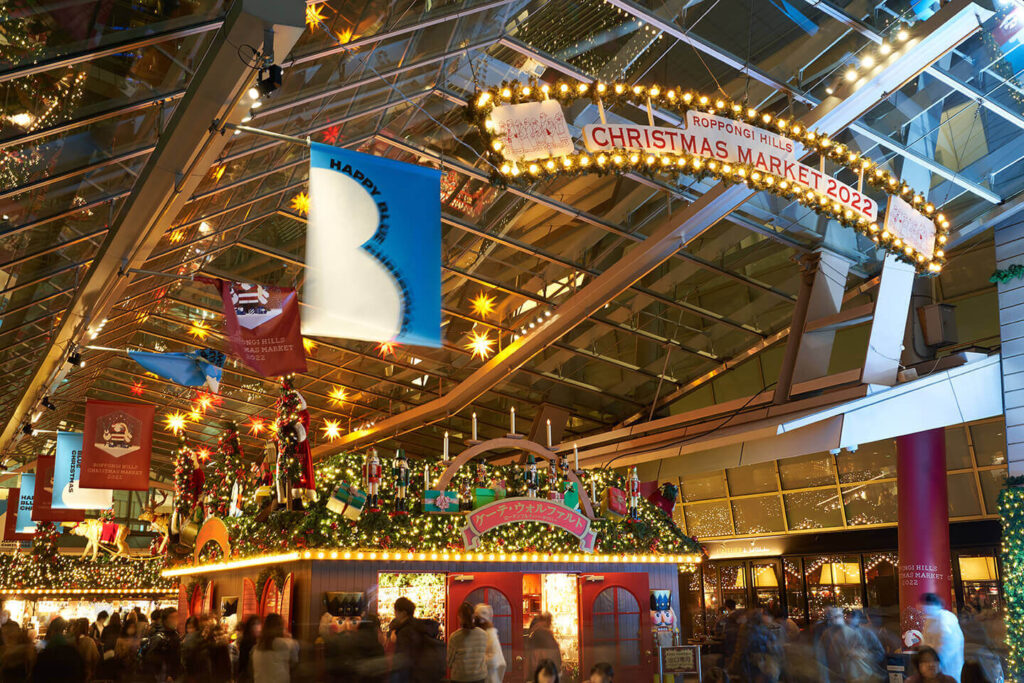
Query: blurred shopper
x=929, y=667
x=86, y=646
x=942, y=633
x=59, y=662
x=546, y=672
x=836, y=649
x=758, y=657
x=161, y=656
x=126, y=652
x=601, y=673
x=275, y=654
x=250, y=633
x=484, y=616
x=467, y=650
x=867, y=656
x=97, y=627
x=541, y=644
x=418, y=654
x=107, y=669
x=17, y=655
x=366, y=651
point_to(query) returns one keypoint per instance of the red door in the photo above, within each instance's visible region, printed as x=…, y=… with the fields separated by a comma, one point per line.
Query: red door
x=504, y=593
x=616, y=624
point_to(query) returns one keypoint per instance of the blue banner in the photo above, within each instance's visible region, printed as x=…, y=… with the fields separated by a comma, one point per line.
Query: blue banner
x=373, y=249
x=67, y=494
x=188, y=369
x=24, y=524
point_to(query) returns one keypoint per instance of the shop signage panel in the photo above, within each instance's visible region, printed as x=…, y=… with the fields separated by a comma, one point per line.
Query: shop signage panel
x=522, y=509
x=910, y=226
x=534, y=130
x=680, y=660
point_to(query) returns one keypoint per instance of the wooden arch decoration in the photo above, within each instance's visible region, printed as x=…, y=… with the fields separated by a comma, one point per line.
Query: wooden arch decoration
x=250, y=605
x=522, y=444
x=213, y=530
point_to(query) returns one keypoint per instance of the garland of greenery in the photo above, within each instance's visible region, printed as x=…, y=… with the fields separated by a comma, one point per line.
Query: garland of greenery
x=319, y=527
x=1011, y=514
x=273, y=573
x=679, y=101
x=41, y=571
x=1013, y=272
x=190, y=587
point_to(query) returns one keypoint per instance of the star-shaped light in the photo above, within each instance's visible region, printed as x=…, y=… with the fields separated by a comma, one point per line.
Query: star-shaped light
x=195, y=415
x=332, y=429
x=345, y=36
x=385, y=349
x=137, y=387
x=177, y=235
x=256, y=426
x=338, y=395
x=218, y=172
x=483, y=305
x=199, y=330
x=314, y=15
x=332, y=134
x=175, y=422
x=204, y=454
x=300, y=203
x=308, y=344
x=480, y=345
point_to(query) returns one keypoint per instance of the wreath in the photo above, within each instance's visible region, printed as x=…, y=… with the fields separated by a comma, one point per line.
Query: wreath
x=275, y=574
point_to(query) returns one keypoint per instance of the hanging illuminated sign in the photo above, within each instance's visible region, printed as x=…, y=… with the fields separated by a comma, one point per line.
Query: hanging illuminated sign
x=519, y=510
x=526, y=136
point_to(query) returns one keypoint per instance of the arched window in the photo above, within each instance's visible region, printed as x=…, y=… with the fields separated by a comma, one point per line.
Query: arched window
x=502, y=615
x=616, y=628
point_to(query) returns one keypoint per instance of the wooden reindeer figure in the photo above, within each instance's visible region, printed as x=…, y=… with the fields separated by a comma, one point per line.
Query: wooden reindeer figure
x=158, y=522
x=92, y=530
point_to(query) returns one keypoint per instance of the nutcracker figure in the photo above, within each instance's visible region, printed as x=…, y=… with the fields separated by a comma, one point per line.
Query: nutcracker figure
x=466, y=495
x=531, y=477
x=633, y=489
x=481, y=475
x=563, y=464
x=372, y=474
x=401, y=474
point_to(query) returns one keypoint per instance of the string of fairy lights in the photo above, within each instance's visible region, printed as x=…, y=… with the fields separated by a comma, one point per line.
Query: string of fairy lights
x=1011, y=513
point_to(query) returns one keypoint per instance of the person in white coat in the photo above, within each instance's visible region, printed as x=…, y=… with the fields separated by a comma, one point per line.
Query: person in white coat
x=942, y=632
x=484, y=617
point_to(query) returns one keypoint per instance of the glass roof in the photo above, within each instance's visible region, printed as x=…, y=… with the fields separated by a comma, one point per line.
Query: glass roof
x=86, y=91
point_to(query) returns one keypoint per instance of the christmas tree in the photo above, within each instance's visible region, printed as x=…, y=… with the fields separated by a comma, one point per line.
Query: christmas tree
x=226, y=468
x=188, y=480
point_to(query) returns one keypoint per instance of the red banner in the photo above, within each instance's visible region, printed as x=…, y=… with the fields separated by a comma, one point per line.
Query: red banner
x=517, y=510
x=11, y=517
x=41, y=506
x=117, y=445
x=262, y=325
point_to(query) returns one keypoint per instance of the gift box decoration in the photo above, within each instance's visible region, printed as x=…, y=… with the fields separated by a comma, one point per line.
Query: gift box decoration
x=613, y=503
x=445, y=502
x=571, y=498
x=482, y=497
x=348, y=501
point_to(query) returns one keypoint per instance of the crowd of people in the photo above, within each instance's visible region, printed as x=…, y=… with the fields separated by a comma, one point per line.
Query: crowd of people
x=134, y=648
x=766, y=646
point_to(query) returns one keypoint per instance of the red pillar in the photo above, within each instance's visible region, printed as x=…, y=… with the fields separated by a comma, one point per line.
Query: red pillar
x=924, y=562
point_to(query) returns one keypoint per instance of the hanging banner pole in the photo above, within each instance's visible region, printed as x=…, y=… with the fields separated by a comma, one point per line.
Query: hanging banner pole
x=267, y=134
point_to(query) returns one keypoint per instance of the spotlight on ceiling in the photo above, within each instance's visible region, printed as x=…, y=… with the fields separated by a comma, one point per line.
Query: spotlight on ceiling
x=47, y=403
x=269, y=80
x=76, y=359
x=26, y=429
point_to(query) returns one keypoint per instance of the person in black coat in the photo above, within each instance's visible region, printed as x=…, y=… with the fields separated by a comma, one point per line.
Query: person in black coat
x=59, y=662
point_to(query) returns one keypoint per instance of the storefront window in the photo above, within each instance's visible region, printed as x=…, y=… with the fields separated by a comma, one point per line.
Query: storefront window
x=759, y=515
x=962, y=495
x=560, y=598
x=979, y=575
x=806, y=471
x=765, y=577
x=503, y=615
x=702, y=486
x=958, y=457
x=796, y=600
x=758, y=478
x=870, y=503
x=712, y=605
x=813, y=510
x=989, y=443
x=875, y=460
x=708, y=519
x=832, y=582
x=617, y=627
x=733, y=580
x=883, y=589
x=992, y=482
x=427, y=591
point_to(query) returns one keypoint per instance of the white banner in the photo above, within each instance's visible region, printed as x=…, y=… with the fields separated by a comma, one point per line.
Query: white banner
x=716, y=137
x=534, y=130
x=915, y=229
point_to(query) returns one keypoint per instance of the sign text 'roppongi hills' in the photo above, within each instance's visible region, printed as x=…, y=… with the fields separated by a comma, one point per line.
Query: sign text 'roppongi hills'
x=528, y=139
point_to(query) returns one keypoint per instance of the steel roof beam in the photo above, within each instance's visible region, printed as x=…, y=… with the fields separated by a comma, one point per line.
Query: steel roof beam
x=188, y=147
x=947, y=28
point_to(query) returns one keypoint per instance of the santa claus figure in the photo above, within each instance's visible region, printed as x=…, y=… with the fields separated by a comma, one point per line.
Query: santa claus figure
x=295, y=457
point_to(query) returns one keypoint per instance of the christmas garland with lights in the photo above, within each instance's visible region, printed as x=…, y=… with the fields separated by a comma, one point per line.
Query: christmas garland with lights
x=41, y=570
x=185, y=497
x=226, y=467
x=679, y=101
x=1011, y=514
x=273, y=573
x=319, y=527
x=1002, y=276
